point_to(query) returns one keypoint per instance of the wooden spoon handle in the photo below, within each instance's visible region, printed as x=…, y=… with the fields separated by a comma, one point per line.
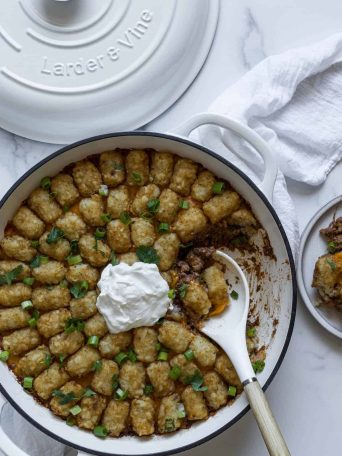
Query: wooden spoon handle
x=267, y=424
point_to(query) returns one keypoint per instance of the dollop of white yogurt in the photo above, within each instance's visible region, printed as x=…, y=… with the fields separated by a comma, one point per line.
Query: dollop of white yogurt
x=132, y=296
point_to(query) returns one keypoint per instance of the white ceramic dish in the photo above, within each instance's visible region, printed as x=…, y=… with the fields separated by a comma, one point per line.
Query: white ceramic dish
x=274, y=294
x=312, y=246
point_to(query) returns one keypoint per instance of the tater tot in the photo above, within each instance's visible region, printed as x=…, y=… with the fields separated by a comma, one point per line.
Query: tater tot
x=242, y=217
x=91, y=210
x=49, y=380
x=15, y=294
x=161, y=168
x=52, y=272
x=82, y=362
x=50, y=298
x=221, y=206
x=103, y=378
x=58, y=250
x=66, y=344
x=128, y=258
x=196, y=299
x=145, y=344
x=169, y=206
x=118, y=201
x=33, y=363
x=118, y=236
x=115, y=417
x=142, y=415
x=158, y=373
x=81, y=272
x=143, y=233
x=184, y=176
x=87, y=177
x=217, y=392
x=112, y=167
x=21, y=341
x=143, y=196
x=44, y=206
x=202, y=189
x=112, y=344
x=174, y=336
x=168, y=416
x=9, y=265
x=167, y=247
x=18, y=248
x=14, y=318
x=84, y=307
x=91, y=411
x=97, y=253
x=204, y=351
x=194, y=404
x=70, y=388
x=28, y=224
x=132, y=378
x=188, y=368
x=137, y=167
x=96, y=326
x=217, y=286
x=72, y=226
x=226, y=369
x=190, y=222
x=63, y=187
x=52, y=323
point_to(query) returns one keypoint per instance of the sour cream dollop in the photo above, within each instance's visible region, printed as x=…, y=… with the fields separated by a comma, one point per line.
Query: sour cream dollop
x=132, y=296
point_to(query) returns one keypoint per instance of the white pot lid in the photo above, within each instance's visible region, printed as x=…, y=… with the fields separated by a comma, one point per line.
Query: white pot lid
x=77, y=68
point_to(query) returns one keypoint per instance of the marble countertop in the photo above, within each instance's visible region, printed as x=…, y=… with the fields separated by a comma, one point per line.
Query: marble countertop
x=305, y=395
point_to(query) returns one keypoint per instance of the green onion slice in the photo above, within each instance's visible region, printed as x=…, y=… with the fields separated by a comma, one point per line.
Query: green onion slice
x=163, y=356
x=234, y=295
x=189, y=355
x=93, y=341
x=148, y=390
x=75, y=410
x=125, y=218
x=251, y=332
x=258, y=366
x=218, y=187
x=45, y=183
x=28, y=281
x=25, y=305
x=79, y=289
x=97, y=366
x=4, y=355
x=100, y=431
x=73, y=260
x=34, y=244
x=136, y=177
x=163, y=227
x=100, y=233
x=103, y=190
x=184, y=204
x=232, y=391
x=121, y=394
x=121, y=358
x=175, y=372
x=106, y=218
x=28, y=383
x=171, y=293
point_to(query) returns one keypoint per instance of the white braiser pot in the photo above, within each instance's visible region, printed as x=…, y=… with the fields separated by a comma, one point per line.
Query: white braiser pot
x=274, y=299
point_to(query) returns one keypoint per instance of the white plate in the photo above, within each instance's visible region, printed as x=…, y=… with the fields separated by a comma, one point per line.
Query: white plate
x=313, y=245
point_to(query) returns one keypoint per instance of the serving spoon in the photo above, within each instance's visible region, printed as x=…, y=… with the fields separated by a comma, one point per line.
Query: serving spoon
x=229, y=330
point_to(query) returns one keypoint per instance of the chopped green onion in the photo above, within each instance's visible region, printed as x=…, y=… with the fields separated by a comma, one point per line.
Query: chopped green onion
x=97, y=366
x=26, y=305
x=65, y=208
x=136, y=177
x=93, y=341
x=189, y=355
x=169, y=425
x=232, y=391
x=74, y=324
x=163, y=227
x=153, y=205
x=125, y=218
x=10, y=276
x=88, y=392
x=106, y=218
x=44, y=259
x=47, y=360
x=251, y=332
x=100, y=431
x=63, y=284
x=158, y=346
x=184, y=204
x=100, y=233
x=64, y=398
x=182, y=290
x=28, y=382
x=4, y=355
x=171, y=293
x=121, y=394
x=114, y=259
x=28, y=281
x=61, y=359
x=118, y=166
x=147, y=254
x=32, y=322
x=331, y=247
x=148, y=390
x=45, y=183
x=181, y=413
x=258, y=366
x=132, y=356
x=115, y=381
x=70, y=421
x=75, y=410
x=72, y=260
x=218, y=187
x=196, y=381
x=175, y=372
x=54, y=235
x=34, y=244
x=103, y=190
x=163, y=356
x=234, y=295
x=120, y=358
x=331, y=264
x=79, y=289
x=74, y=247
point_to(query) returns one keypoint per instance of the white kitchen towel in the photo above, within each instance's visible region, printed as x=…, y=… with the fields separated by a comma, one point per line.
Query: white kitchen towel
x=294, y=101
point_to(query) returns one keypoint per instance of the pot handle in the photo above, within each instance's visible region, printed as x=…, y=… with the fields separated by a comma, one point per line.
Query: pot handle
x=249, y=135
x=7, y=445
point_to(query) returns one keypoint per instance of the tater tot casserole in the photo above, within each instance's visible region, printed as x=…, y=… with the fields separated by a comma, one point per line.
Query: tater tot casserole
x=122, y=206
